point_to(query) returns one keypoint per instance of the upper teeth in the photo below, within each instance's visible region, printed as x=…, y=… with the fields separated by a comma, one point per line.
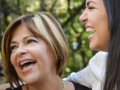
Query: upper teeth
x=22, y=63
x=90, y=29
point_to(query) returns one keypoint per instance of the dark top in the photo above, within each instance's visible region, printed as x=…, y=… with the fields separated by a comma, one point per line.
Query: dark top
x=76, y=85
x=18, y=88
x=80, y=87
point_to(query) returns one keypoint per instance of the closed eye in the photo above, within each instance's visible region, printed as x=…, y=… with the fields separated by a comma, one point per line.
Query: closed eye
x=90, y=7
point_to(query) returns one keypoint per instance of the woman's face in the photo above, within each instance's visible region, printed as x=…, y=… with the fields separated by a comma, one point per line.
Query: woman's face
x=95, y=18
x=31, y=57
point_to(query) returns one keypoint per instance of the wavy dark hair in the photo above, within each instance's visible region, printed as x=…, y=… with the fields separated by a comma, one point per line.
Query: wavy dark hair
x=112, y=78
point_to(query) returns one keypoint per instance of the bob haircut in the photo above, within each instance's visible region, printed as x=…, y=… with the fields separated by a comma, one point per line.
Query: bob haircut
x=41, y=25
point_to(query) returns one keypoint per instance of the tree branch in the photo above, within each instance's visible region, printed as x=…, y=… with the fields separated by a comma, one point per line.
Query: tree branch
x=72, y=16
x=69, y=7
x=73, y=27
x=83, y=56
x=6, y=8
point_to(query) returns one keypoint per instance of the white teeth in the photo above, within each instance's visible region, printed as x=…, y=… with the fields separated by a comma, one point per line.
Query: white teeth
x=90, y=29
x=22, y=63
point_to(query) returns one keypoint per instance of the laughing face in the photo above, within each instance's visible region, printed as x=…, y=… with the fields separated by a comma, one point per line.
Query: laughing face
x=31, y=57
x=95, y=19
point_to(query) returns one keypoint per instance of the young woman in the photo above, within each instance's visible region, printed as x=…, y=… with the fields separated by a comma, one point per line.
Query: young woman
x=35, y=50
x=103, y=73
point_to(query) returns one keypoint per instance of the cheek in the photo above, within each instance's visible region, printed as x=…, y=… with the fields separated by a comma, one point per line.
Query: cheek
x=102, y=28
x=12, y=59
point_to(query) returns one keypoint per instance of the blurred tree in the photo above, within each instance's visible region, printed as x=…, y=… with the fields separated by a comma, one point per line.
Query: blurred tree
x=67, y=13
x=2, y=77
x=45, y=5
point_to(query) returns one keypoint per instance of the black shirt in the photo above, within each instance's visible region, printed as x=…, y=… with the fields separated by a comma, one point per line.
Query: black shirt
x=80, y=87
x=76, y=85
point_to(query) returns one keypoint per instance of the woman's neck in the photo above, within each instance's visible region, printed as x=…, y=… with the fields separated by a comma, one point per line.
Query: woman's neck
x=54, y=83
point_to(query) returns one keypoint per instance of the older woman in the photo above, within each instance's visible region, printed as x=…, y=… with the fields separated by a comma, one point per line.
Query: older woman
x=35, y=50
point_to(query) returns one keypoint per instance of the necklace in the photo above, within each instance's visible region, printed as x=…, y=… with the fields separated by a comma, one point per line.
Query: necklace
x=64, y=87
x=63, y=84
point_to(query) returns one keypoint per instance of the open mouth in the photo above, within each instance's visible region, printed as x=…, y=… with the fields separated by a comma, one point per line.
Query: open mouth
x=91, y=30
x=26, y=64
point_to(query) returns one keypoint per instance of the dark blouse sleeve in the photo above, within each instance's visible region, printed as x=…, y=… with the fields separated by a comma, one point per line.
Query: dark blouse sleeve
x=80, y=87
x=19, y=88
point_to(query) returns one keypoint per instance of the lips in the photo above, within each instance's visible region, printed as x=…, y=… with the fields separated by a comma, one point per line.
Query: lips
x=91, y=36
x=26, y=65
x=91, y=30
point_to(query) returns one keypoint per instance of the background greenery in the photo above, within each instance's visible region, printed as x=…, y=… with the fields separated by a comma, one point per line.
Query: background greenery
x=67, y=12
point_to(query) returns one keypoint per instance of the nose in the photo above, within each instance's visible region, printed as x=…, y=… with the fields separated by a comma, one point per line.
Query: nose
x=21, y=52
x=83, y=17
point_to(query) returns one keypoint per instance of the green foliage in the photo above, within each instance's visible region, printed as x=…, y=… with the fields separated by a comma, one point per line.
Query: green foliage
x=67, y=14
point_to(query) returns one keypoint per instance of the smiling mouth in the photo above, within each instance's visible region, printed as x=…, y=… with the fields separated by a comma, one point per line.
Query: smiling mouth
x=92, y=30
x=26, y=64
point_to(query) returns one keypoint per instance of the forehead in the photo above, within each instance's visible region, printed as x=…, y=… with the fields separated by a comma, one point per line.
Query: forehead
x=20, y=31
x=98, y=2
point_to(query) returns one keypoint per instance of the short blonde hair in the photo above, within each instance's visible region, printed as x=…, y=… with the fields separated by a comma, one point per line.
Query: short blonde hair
x=40, y=24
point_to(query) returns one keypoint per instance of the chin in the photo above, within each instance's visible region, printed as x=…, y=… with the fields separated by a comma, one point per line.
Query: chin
x=98, y=48
x=92, y=46
x=30, y=79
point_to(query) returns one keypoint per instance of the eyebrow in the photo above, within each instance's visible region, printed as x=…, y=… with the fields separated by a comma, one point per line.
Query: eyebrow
x=23, y=38
x=90, y=2
x=28, y=36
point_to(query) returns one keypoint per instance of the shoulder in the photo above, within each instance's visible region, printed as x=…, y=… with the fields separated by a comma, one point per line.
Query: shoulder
x=97, y=65
x=80, y=87
x=98, y=57
x=4, y=86
x=75, y=86
x=18, y=88
x=98, y=60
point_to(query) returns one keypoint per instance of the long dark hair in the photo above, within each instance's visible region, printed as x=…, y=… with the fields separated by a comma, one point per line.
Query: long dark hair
x=112, y=77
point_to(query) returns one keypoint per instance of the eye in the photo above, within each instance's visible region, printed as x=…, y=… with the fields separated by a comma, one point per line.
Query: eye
x=13, y=47
x=90, y=7
x=31, y=41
